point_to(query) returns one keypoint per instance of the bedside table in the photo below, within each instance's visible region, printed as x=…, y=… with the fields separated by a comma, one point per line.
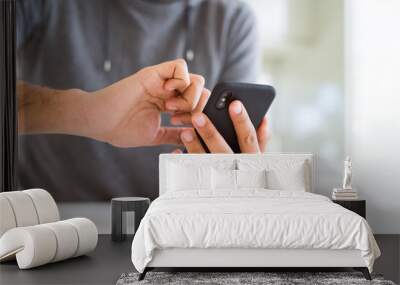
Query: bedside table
x=121, y=210
x=357, y=206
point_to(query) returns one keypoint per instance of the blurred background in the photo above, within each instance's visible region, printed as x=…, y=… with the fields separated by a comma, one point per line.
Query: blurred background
x=336, y=67
x=302, y=46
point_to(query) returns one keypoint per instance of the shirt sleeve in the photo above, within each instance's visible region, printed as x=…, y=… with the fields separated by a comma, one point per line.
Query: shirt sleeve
x=29, y=15
x=243, y=54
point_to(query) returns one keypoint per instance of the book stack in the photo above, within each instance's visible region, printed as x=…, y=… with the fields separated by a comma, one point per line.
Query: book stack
x=344, y=194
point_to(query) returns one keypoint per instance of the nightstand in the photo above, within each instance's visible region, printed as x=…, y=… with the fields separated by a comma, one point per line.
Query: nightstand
x=126, y=214
x=357, y=206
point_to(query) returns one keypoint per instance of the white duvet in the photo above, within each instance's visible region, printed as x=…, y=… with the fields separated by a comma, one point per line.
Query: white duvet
x=251, y=218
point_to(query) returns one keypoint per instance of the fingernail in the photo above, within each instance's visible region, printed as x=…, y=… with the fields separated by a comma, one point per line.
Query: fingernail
x=187, y=136
x=237, y=107
x=176, y=122
x=199, y=120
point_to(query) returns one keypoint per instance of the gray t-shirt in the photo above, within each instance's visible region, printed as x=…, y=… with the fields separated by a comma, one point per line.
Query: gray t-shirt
x=65, y=43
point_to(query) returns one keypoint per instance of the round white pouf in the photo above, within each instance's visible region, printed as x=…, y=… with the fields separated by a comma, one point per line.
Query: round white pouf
x=40, y=244
x=87, y=233
x=7, y=218
x=67, y=240
x=45, y=205
x=33, y=246
x=23, y=208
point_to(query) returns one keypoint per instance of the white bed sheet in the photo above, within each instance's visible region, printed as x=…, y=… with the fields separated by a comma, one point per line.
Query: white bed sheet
x=250, y=218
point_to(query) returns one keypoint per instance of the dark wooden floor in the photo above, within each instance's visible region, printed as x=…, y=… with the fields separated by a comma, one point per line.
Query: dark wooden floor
x=110, y=260
x=389, y=262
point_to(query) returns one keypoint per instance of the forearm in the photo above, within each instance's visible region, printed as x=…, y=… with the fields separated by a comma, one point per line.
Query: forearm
x=45, y=110
x=126, y=113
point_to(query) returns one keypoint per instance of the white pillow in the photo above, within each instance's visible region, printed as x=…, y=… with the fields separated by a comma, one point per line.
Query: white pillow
x=285, y=174
x=223, y=179
x=188, y=177
x=251, y=178
x=287, y=179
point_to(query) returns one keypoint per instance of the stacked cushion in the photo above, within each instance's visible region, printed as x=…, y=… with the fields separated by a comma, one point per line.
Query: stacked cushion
x=24, y=211
x=7, y=220
x=45, y=206
x=27, y=208
x=41, y=244
x=31, y=232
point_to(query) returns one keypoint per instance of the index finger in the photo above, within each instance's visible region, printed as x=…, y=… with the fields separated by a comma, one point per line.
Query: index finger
x=188, y=100
x=186, y=117
x=175, y=73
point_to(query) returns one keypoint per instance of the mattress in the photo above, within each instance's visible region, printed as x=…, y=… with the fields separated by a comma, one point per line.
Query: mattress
x=251, y=219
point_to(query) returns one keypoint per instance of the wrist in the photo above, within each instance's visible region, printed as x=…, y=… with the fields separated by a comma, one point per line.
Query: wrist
x=106, y=108
x=69, y=109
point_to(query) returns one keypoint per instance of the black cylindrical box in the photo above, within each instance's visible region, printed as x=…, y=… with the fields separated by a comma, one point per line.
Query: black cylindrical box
x=126, y=214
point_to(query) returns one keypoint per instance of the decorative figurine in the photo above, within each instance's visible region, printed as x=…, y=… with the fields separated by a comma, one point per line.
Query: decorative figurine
x=347, y=174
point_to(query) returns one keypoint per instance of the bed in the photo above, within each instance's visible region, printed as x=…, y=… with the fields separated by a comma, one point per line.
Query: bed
x=247, y=211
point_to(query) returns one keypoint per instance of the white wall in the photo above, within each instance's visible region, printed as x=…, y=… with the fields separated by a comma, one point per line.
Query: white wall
x=373, y=107
x=304, y=60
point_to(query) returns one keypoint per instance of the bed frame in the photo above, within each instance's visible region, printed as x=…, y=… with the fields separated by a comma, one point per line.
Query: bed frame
x=246, y=259
x=256, y=259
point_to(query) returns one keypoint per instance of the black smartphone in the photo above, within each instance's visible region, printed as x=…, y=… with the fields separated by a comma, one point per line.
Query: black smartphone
x=256, y=99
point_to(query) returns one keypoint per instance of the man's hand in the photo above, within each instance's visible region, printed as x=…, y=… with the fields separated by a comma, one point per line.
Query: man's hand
x=250, y=140
x=128, y=113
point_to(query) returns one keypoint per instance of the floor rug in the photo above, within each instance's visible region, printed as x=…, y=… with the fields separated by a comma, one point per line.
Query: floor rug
x=244, y=278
